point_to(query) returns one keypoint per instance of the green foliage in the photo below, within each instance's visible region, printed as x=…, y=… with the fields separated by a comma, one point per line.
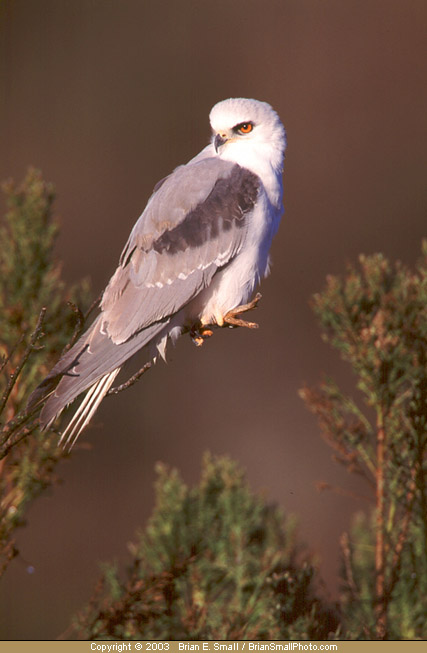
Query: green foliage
x=32, y=297
x=407, y=606
x=377, y=318
x=215, y=562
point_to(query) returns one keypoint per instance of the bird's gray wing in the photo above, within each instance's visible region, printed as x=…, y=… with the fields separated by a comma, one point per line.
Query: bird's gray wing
x=194, y=223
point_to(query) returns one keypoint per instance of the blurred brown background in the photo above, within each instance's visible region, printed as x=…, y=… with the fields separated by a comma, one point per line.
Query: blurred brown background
x=108, y=97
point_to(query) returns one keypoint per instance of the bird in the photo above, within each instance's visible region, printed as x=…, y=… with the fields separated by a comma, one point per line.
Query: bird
x=191, y=262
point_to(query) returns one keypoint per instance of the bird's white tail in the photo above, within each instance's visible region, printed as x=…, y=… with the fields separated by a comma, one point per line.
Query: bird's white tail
x=87, y=408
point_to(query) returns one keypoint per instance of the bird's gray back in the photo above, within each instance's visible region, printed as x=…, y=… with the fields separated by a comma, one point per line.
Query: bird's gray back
x=193, y=224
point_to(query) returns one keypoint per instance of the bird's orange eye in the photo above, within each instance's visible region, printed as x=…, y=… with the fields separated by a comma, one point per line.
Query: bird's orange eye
x=244, y=128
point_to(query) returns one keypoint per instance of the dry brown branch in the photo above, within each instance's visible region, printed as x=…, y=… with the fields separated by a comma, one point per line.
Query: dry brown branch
x=133, y=379
x=92, y=307
x=79, y=325
x=15, y=438
x=321, y=486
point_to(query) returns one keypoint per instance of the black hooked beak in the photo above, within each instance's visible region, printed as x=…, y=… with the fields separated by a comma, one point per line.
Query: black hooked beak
x=219, y=140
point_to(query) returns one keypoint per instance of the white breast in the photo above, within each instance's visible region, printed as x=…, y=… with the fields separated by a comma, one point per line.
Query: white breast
x=234, y=285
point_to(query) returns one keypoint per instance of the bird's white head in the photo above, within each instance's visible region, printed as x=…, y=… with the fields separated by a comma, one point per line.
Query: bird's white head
x=249, y=133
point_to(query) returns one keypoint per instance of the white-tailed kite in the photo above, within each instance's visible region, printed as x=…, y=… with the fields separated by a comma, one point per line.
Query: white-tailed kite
x=192, y=259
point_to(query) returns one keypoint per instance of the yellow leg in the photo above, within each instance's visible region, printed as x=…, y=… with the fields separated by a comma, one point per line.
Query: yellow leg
x=201, y=332
x=231, y=318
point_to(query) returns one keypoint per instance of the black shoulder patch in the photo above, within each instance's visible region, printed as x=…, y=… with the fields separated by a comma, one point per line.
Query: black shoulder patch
x=226, y=205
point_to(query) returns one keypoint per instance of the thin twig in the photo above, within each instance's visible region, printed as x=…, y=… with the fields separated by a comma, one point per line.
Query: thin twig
x=7, y=358
x=92, y=306
x=15, y=438
x=321, y=486
x=78, y=327
x=14, y=377
x=12, y=425
x=81, y=321
x=133, y=379
x=354, y=466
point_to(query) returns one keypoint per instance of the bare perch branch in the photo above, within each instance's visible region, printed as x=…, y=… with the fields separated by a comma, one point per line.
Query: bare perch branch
x=92, y=306
x=79, y=324
x=133, y=379
x=81, y=320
